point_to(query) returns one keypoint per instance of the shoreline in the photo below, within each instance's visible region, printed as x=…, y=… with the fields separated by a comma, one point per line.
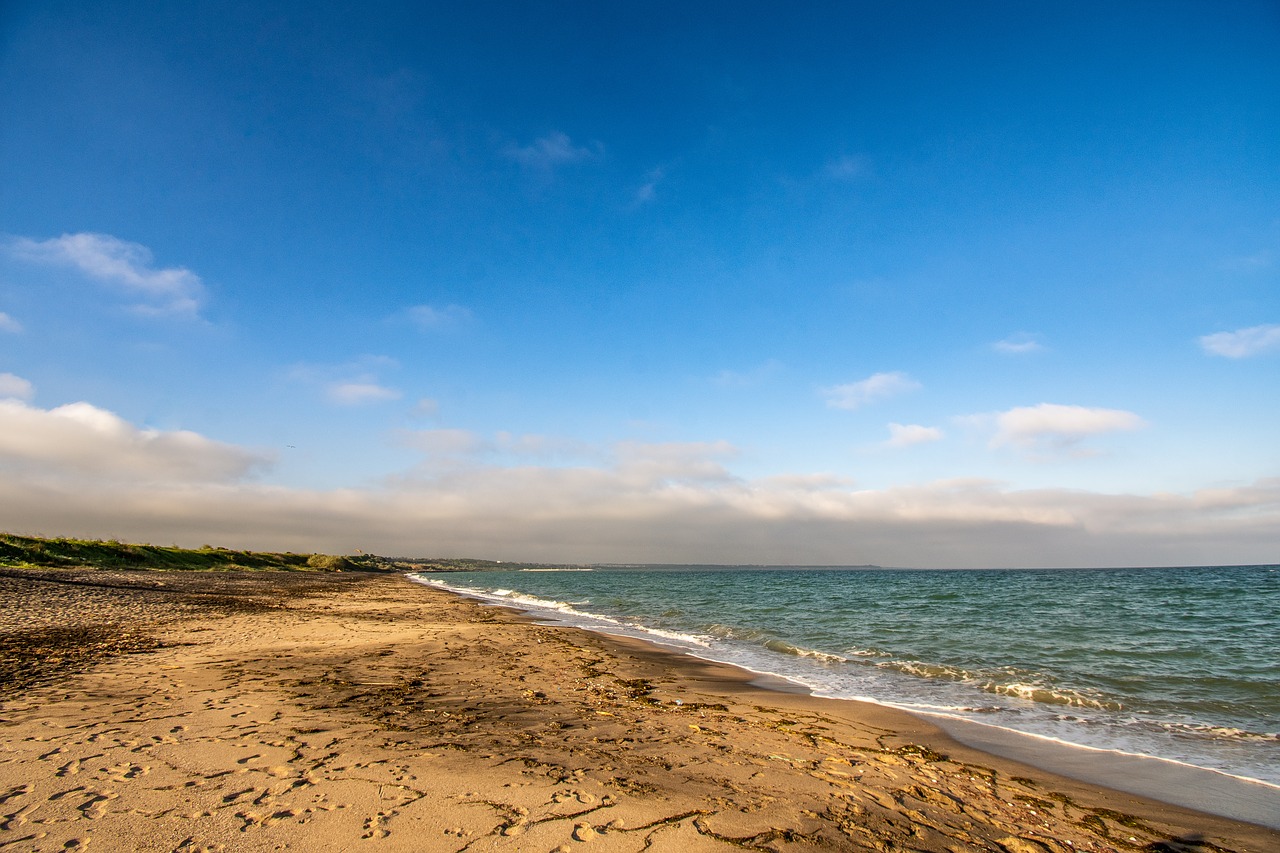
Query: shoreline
x=371, y=712
x=1162, y=780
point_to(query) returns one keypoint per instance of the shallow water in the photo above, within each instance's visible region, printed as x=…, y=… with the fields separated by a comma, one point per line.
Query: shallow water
x=1177, y=663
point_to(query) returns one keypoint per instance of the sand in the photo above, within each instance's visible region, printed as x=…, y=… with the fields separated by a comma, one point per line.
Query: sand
x=271, y=711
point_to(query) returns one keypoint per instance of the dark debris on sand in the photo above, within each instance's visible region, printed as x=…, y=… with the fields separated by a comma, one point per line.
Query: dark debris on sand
x=58, y=622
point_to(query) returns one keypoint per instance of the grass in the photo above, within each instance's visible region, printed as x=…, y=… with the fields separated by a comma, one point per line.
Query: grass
x=32, y=551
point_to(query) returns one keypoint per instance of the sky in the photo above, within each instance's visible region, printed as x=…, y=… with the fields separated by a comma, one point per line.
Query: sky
x=913, y=284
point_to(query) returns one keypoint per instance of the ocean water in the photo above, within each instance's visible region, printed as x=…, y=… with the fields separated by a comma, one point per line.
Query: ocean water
x=1176, y=663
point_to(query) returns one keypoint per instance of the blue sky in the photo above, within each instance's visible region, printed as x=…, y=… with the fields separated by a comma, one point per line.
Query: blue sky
x=912, y=284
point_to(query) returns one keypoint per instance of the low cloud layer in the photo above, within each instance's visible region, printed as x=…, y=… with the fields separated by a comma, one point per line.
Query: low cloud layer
x=80, y=469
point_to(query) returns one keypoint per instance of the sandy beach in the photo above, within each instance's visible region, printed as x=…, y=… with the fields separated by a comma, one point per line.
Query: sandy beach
x=229, y=711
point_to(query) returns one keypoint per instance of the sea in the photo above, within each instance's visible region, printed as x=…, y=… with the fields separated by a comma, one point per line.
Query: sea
x=1181, y=665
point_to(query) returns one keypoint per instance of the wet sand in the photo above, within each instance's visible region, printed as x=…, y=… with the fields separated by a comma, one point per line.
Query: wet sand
x=277, y=711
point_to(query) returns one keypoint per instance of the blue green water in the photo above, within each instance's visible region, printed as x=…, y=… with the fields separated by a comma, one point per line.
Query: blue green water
x=1177, y=663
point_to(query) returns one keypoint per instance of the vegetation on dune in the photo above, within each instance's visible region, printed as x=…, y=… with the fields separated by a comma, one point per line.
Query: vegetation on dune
x=32, y=551
x=68, y=553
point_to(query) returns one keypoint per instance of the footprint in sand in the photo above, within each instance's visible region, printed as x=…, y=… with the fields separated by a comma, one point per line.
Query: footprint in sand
x=16, y=791
x=193, y=845
x=125, y=772
x=374, y=826
x=18, y=818
x=96, y=806
x=71, y=768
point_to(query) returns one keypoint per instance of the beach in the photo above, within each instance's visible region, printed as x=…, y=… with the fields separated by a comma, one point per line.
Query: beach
x=164, y=711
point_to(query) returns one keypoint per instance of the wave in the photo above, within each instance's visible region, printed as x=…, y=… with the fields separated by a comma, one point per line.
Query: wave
x=510, y=598
x=1024, y=686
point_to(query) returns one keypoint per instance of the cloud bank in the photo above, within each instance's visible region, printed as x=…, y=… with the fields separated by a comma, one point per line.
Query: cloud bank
x=83, y=470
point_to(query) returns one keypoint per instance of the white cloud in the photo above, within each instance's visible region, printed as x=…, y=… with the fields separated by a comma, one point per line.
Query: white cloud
x=128, y=266
x=646, y=191
x=15, y=388
x=430, y=318
x=1243, y=343
x=547, y=152
x=1019, y=344
x=353, y=383
x=1050, y=426
x=906, y=435
x=426, y=408
x=847, y=168
x=360, y=393
x=875, y=387
x=88, y=444
x=8, y=324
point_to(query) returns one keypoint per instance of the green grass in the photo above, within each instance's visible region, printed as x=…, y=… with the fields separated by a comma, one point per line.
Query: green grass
x=70, y=553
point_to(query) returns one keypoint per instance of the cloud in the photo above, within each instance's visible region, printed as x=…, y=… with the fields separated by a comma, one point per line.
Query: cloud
x=443, y=442
x=1243, y=343
x=8, y=324
x=847, y=168
x=429, y=318
x=876, y=387
x=82, y=469
x=360, y=393
x=673, y=513
x=1050, y=426
x=128, y=266
x=426, y=408
x=749, y=378
x=645, y=192
x=82, y=443
x=15, y=388
x=548, y=152
x=906, y=435
x=353, y=383
x=1020, y=343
